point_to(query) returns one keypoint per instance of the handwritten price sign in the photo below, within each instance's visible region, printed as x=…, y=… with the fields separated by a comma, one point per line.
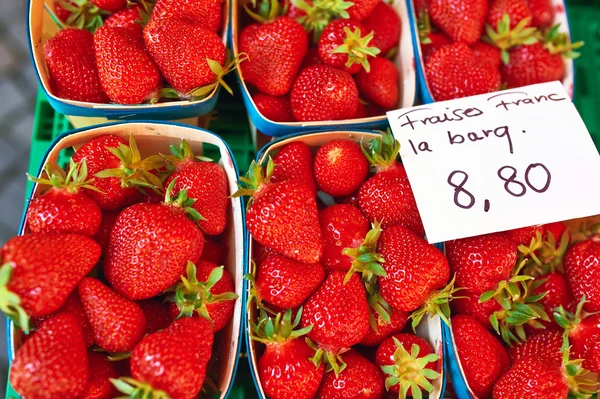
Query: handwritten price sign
x=498, y=161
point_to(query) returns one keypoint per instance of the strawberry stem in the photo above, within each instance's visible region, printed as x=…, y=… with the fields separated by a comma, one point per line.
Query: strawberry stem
x=181, y=200
x=365, y=259
x=437, y=304
x=133, y=389
x=10, y=303
x=355, y=46
x=256, y=178
x=278, y=329
x=505, y=38
x=383, y=151
x=72, y=181
x=84, y=14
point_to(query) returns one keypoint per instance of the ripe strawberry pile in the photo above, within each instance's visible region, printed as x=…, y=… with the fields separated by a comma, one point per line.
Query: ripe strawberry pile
x=119, y=254
x=331, y=295
x=526, y=322
x=474, y=47
x=134, y=47
x=321, y=60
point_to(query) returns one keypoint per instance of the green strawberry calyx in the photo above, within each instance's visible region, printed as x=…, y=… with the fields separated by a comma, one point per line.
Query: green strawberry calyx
x=84, y=14
x=410, y=371
x=567, y=320
x=544, y=256
x=505, y=38
x=76, y=178
x=10, y=303
x=280, y=328
x=365, y=259
x=193, y=296
x=145, y=8
x=265, y=11
x=320, y=13
x=183, y=154
x=377, y=305
x=559, y=43
x=382, y=152
x=424, y=27
x=134, y=389
x=182, y=201
x=332, y=359
x=356, y=47
x=256, y=178
x=438, y=303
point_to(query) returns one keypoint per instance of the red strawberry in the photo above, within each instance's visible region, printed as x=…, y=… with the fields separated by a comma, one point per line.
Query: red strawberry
x=421, y=5
x=118, y=323
x=294, y=162
x=344, y=45
x=402, y=351
x=103, y=235
x=283, y=216
x=342, y=226
x=172, y=360
x=361, y=9
x=534, y=378
x=361, y=379
x=322, y=93
x=101, y=370
x=482, y=357
x=584, y=338
x=397, y=322
x=481, y=262
x=531, y=64
x=385, y=24
x=557, y=229
x=208, y=292
x=338, y=312
x=157, y=314
x=517, y=11
x=285, y=368
x=340, y=167
x=381, y=85
x=361, y=111
x=206, y=13
x=53, y=363
x=542, y=12
x=285, y=283
x=171, y=241
x=62, y=260
x=467, y=303
x=487, y=53
x=387, y=197
x=64, y=208
x=582, y=268
x=72, y=67
x=524, y=235
x=62, y=13
x=276, y=109
x=415, y=269
x=462, y=20
x=545, y=345
x=261, y=253
x=206, y=182
x=434, y=42
x=110, y=5
x=119, y=50
x=558, y=294
x=455, y=72
x=267, y=46
x=312, y=58
x=130, y=18
x=212, y=251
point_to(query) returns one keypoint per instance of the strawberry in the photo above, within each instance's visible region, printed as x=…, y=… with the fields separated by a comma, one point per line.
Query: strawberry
x=82, y=14
x=322, y=93
x=276, y=109
x=421, y=5
x=434, y=42
x=342, y=226
x=285, y=368
x=545, y=345
x=517, y=11
x=285, y=283
x=260, y=253
x=542, y=12
x=53, y=363
x=291, y=224
x=206, y=13
x=102, y=236
x=397, y=322
x=387, y=196
x=118, y=324
x=462, y=20
x=524, y=235
x=206, y=291
x=455, y=72
x=311, y=58
x=212, y=251
x=340, y=167
x=130, y=18
x=267, y=45
x=64, y=208
x=408, y=363
x=109, y=5
x=294, y=162
x=170, y=240
x=557, y=229
x=119, y=50
x=534, y=378
x=61, y=12
x=206, y=182
x=361, y=379
x=361, y=111
x=171, y=362
x=482, y=357
x=415, y=269
x=116, y=169
x=339, y=313
x=558, y=294
x=385, y=24
x=157, y=314
x=361, y=9
x=487, y=53
x=344, y=45
x=381, y=85
x=101, y=371
x=582, y=268
x=72, y=66
x=467, y=303
x=481, y=262
x=62, y=260
x=531, y=64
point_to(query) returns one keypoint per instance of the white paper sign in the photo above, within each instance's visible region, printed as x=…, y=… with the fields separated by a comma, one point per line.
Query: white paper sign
x=498, y=161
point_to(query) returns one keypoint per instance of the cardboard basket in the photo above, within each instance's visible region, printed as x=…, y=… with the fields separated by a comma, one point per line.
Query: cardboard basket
x=425, y=95
x=429, y=329
x=154, y=138
x=42, y=26
x=404, y=61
